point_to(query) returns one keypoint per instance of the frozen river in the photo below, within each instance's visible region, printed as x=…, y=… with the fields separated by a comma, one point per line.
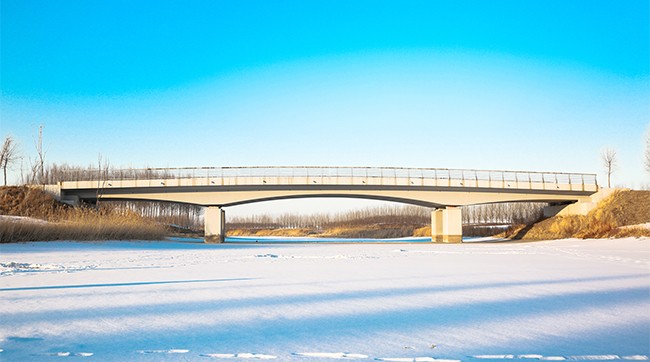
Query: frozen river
x=182, y=300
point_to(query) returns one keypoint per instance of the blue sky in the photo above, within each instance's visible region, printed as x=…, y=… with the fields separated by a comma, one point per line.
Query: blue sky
x=529, y=85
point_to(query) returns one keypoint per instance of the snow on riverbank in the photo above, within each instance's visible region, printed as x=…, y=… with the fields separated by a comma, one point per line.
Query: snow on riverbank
x=574, y=300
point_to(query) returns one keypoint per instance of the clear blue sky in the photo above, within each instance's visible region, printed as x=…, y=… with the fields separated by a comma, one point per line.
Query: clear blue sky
x=533, y=85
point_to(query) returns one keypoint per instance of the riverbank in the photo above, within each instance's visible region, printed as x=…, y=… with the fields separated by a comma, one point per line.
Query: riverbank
x=625, y=213
x=363, y=231
x=29, y=214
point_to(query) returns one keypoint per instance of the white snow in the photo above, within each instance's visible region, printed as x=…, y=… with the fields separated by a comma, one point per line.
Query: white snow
x=573, y=300
x=23, y=219
x=641, y=226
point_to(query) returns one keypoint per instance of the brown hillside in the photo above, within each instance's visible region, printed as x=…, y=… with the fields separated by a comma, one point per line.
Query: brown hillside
x=67, y=223
x=622, y=208
x=626, y=207
x=28, y=201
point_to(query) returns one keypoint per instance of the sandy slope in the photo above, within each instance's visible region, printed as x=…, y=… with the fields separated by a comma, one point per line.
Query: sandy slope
x=177, y=301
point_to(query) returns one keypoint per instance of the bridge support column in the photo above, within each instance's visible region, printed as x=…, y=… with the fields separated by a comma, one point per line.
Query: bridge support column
x=447, y=225
x=215, y=224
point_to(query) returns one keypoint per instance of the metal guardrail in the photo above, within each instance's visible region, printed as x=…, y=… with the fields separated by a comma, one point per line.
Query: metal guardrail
x=438, y=174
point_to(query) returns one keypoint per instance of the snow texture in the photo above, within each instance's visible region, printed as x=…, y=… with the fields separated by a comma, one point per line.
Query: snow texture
x=180, y=300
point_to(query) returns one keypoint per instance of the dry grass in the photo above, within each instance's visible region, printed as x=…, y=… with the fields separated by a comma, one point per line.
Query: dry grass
x=28, y=201
x=361, y=231
x=370, y=231
x=620, y=209
x=630, y=207
x=424, y=231
x=112, y=229
x=67, y=223
x=272, y=232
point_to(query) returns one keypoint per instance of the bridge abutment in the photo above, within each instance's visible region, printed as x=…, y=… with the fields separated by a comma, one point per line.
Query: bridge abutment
x=447, y=225
x=215, y=224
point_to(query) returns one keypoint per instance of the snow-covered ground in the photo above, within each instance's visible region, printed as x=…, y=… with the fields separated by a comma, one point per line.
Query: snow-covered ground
x=181, y=300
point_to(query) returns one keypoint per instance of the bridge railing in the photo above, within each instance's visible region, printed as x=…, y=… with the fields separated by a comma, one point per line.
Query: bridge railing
x=346, y=175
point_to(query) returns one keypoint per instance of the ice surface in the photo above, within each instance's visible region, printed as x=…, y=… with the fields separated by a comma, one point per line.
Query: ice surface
x=415, y=359
x=239, y=355
x=573, y=300
x=332, y=355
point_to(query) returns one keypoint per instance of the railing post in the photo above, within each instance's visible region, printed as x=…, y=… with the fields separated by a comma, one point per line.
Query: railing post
x=516, y=180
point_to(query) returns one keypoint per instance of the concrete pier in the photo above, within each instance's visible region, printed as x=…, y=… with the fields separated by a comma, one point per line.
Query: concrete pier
x=215, y=224
x=447, y=225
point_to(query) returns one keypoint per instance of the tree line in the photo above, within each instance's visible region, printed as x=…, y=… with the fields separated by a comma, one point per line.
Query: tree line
x=181, y=216
x=407, y=215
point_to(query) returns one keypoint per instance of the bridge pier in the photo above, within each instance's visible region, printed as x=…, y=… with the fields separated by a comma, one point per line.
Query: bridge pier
x=447, y=225
x=215, y=224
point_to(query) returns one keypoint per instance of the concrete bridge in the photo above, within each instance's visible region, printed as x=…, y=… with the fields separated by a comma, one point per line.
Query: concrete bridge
x=444, y=190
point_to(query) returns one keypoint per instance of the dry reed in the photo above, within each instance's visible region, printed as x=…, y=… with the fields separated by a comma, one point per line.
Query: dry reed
x=60, y=222
x=608, y=220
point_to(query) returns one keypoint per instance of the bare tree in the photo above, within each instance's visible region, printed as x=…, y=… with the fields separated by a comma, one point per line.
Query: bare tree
x=609, y=162
x=41, y=155
x=8, y=155
x=647, y=151
x=102, y=175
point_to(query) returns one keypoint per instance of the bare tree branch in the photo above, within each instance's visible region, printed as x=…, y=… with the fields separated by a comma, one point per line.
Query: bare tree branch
x=647, y=151
x=610, y=162
x=8, y=155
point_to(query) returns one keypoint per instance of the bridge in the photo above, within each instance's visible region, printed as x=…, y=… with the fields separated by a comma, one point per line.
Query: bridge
x=443, y=190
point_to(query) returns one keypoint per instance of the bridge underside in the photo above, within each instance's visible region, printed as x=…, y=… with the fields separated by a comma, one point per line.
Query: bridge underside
x=446, y=221
x=224, y=196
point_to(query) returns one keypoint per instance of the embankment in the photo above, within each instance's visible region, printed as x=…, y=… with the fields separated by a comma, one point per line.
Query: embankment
x=30, y=214
x=625, y=213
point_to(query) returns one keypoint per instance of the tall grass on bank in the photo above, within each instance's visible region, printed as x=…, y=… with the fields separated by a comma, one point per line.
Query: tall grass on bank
x=82, y=224
x=55, y=221
x=612, y=218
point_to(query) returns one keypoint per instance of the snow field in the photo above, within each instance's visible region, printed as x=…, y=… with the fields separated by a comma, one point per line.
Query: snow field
x=176, y=300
